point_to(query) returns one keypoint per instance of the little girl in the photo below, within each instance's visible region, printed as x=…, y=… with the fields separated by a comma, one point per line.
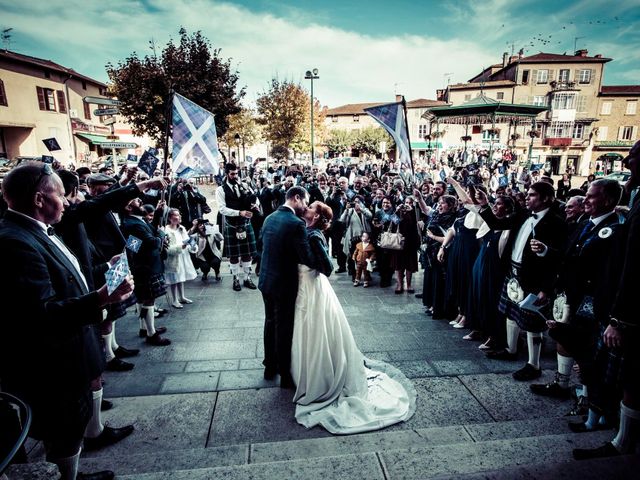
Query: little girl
x=364, y=254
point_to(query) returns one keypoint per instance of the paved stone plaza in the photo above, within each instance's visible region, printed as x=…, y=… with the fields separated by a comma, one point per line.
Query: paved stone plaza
x=202, y=409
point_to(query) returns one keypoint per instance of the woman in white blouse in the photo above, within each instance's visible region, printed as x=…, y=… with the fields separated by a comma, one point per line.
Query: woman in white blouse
x=178, y=267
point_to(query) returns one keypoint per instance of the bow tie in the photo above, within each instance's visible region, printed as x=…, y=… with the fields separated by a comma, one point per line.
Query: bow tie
x=50, y=231
x=533, y=215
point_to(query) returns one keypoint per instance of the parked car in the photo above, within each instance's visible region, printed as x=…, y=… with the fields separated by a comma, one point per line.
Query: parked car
x=620, y=177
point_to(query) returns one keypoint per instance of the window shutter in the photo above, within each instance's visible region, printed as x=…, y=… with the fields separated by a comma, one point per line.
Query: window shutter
x=576, y=75
x=41, y=102
x=87, y=111
x=620, y=132
x=534, y=77
x=550, y=77
x=634, y=133
x=62, y=102
x=3, y=94
x=592, y=78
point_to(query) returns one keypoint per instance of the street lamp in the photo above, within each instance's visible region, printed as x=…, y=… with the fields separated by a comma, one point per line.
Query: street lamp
x=312, y=75
x=237, y=139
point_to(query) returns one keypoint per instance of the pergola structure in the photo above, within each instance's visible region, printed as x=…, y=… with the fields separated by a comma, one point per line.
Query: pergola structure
x=483, y=110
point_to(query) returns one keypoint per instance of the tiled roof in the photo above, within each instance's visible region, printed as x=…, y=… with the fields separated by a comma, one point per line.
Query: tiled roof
x=487, y=84
x=620, y=90
x=554, y=57
x=358, y=108
x=48, y=64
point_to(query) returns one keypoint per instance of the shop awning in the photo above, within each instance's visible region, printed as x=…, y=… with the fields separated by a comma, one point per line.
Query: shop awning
x=95, y=139
x=425, y=145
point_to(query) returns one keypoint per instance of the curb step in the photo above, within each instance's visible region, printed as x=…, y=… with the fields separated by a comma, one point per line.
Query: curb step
x=32, y=471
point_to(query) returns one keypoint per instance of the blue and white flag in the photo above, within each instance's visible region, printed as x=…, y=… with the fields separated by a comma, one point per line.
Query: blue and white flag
x=117, y=273
x=148, y=162
x=391, y=117
x=195, y=142
x=134, y=243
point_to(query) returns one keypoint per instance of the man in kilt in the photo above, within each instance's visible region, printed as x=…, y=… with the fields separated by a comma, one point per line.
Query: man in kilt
x=622, y=335
x=147, y=269
x=536, y=240
x=237, y=205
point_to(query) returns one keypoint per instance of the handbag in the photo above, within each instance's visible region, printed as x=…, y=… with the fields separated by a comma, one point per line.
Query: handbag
x=391, y=240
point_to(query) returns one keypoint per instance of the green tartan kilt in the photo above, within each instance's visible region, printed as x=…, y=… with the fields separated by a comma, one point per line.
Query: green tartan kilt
x=234, y=247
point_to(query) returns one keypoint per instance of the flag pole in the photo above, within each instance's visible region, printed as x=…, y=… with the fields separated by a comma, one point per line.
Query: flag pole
x=167, y=130
x=406, y=125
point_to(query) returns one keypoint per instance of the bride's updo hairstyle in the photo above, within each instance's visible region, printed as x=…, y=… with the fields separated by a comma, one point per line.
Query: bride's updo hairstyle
x=326, y=215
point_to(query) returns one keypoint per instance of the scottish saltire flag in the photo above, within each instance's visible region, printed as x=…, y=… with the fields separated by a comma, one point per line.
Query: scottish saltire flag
x=148, y=162
x=117, y=273
x=133, y=243
x=391, y=117
x=195, y=143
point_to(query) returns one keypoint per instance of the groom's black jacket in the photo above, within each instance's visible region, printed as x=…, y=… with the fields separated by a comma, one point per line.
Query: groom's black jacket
x=284, y=246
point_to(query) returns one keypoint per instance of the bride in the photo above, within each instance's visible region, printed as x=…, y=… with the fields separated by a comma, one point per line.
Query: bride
x=336, y=386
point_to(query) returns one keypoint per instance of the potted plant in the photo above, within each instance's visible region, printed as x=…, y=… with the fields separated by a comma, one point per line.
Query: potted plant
x=493, y=131
x=534, y=133
x=465, y=138
x=515, y=136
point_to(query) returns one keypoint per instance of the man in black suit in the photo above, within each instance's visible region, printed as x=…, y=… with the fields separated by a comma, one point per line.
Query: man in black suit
x=338, y=202
x=49, y=355
x=623, y=332
x=582, y=280
x=285, y=246
x=537, y=238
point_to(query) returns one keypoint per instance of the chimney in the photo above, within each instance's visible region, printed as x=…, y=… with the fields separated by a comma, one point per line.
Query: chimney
x=505, y=58
x=597, y=55
x=441, y=94
x=513, y=58
x=582, y=53
x=398, y=98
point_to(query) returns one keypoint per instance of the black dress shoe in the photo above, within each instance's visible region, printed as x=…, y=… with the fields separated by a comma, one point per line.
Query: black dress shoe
x=270, y=373
x=103, y=475
x=105, y=405
x=528, y=372
x=161, y=311
x=122, y=352
x=286, y=382
x=553, y=390
x=341, y=270
x=157, y=341
x=502, y=355
x=109, y=436
x=606, y=450
x=236, y=285
x=249, y=284
x=143, y=333
x=418, y=295
x=117, y=365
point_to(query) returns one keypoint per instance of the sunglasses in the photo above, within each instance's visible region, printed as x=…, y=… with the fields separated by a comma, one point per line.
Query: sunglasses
x=46, y=170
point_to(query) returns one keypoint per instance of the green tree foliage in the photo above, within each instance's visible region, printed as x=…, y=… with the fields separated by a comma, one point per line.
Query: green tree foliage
x=243, y=123
x=191, y=68
x=338, y=142
x=279, y=152
x=368, y=140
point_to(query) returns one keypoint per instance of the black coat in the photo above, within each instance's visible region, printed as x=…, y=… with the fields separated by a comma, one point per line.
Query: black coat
x=146, y=263
x=49, y=346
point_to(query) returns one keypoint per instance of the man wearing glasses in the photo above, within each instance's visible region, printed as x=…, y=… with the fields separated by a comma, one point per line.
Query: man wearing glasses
x=49, y=353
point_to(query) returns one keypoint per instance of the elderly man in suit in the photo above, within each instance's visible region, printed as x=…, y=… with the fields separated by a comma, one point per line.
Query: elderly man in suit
x=50, y=355
x=285, y=246
x=537, y=238
x=623, y=332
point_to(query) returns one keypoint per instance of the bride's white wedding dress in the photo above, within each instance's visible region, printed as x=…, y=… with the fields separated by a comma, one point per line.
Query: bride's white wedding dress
x=336, y=386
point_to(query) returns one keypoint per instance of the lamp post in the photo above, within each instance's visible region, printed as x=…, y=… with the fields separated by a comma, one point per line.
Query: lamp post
x=312, y=75
x=237, y=139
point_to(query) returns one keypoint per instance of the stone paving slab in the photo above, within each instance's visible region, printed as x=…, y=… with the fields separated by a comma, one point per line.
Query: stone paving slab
x=162, y=423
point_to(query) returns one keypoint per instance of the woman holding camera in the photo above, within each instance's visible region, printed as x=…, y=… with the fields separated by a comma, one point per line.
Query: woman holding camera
x=405, y=262
x=356, y=219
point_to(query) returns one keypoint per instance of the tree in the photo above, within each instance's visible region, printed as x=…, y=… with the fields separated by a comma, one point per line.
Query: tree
x=282, y=111
x=243, y=123
x=279, y=152
x=191, y=68
x=338, y=142
x=369, y=140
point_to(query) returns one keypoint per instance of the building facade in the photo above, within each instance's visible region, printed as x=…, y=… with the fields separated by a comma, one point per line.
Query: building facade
x=40, y=99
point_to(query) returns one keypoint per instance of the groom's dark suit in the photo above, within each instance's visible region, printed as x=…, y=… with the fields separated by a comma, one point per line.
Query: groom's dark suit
x=285, y=245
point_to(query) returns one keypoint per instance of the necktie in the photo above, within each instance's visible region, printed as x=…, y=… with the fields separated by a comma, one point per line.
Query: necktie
x=587, y=228
x=50, y=231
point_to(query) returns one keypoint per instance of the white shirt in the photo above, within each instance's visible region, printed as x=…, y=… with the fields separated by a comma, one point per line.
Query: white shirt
x=60, y=244
x=527, y=228
x=222, y=204
x=598, y=220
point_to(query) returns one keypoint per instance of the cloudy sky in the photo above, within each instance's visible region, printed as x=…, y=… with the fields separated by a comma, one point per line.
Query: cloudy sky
x=364, y=50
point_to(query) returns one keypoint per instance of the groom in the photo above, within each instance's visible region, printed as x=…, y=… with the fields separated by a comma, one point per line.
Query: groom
x=285, y=245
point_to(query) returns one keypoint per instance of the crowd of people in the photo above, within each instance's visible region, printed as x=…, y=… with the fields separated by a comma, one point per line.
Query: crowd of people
x=502, y=250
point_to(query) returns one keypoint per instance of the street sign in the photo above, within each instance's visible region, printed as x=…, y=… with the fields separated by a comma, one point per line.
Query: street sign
x=113, y=137
x=118, y=145
x=109, y=121
x=102, y=101
x=103, y=112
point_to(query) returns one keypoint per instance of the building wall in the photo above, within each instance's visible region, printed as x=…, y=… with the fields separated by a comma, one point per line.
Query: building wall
x=613, y=115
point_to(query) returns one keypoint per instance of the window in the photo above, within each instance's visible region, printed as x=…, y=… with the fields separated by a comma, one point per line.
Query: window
x=62, y=102
x=581, y=106
x=334, y=118
x=563, y=101
x=584, y=76
x=46, y=99
x=356, y=118
x=632, y=106
x=602, y=133
x=467, y=97
x=578, y=130
x=525, y=77
x=563, y=75
x=606, y=108
x=84, y=85
x=486, y=137
x=540, y=100
x=542, y=76
x=559, y=130
x=626, y=133
x=422, y=131
x=87, y=110
x=500, y=96
x=3, y=95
